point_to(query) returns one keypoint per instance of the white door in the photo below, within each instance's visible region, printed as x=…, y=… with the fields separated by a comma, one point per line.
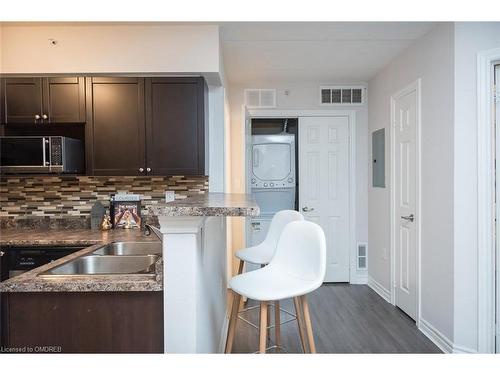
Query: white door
x=404, y=121
x=497, y=125
x=324, y=186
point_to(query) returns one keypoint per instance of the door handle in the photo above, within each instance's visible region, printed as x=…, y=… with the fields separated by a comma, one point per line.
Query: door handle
x=410, y=218
x=307, y=209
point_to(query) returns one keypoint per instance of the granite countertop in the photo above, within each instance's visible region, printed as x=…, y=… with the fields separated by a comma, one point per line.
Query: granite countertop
x=211, y=204
x=93, y=239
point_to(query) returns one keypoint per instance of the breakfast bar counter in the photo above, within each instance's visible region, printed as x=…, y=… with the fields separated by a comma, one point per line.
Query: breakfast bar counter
x=195, y=255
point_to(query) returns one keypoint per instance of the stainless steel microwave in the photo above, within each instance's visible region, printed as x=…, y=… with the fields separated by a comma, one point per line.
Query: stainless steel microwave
x=39, y=154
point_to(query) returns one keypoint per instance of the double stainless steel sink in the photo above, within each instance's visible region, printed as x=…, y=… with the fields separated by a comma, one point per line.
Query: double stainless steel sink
x=116, y=258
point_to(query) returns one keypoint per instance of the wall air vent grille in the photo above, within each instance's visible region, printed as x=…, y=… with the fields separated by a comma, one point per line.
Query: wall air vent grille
x=260, y=98
x=342, y=95
x=362, y=263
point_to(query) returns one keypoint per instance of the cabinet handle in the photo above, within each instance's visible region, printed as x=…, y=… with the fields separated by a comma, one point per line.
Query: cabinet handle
x=148, y=169
x=141, y=170
x=37, y=117
x=2, y=253
x=45, y=117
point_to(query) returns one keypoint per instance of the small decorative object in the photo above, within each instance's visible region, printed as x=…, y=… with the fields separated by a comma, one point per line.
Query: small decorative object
x=126, y=211
x=96, y=215
x=106, y=223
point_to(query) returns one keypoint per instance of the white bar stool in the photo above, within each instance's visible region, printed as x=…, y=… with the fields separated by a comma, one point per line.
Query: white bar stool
x=297, y=268
x=262, y=254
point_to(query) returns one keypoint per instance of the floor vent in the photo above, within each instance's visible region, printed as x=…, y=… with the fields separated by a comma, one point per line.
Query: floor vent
x=342, y=95
x=260, y=98
x=362, y=263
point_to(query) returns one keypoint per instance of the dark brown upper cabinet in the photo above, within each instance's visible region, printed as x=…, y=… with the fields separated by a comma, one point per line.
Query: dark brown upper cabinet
x=36, y=100
x=115, y=126
x=176, y=110
x=22, y=100
x=64, y=99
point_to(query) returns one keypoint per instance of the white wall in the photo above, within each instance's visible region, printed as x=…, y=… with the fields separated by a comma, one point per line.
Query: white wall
x=470, y=38
x=431, y=59
x=116, y=48
x=302, y=95
x=212, y=293
x=216, y=142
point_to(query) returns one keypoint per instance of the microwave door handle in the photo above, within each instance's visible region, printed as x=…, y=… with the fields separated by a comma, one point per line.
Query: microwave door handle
x=43, y=151
x=46, y=151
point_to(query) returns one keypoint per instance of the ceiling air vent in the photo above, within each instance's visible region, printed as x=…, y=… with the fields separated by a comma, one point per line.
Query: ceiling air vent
x=342, y=95
x=260, y=98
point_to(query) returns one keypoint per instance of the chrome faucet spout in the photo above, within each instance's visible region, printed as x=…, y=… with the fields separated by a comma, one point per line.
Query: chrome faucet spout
x=148, y=228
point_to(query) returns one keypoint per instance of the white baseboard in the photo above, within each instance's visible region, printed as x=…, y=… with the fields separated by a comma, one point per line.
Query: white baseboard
x=441, y=341
x=359, y=280
x=223, y=334
x=379, y=289
x=457, y=349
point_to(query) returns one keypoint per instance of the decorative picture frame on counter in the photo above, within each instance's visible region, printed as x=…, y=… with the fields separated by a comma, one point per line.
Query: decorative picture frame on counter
x=125, y=210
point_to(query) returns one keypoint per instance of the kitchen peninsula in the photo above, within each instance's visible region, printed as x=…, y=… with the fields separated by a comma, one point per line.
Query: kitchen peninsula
x=195, y=268
x=184, y=311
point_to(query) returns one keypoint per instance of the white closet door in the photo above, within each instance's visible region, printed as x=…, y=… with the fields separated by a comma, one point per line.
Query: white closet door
x=324, y=186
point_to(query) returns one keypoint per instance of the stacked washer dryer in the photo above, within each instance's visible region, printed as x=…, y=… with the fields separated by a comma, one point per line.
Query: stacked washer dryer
x=272, y=179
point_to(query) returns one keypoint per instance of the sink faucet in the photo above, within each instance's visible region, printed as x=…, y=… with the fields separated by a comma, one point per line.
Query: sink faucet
x=149, y=228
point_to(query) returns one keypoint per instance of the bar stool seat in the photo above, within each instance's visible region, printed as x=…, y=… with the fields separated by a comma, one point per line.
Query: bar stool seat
x=271, y=284
x=297, y=268
x=259, y=254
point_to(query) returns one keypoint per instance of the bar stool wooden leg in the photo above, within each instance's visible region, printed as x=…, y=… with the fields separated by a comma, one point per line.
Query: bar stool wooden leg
x=240, y=267
x=263, y=327
x=232, y=322
x=277, y=321
x=300, y=323
x=268, y=323
x=307, y=318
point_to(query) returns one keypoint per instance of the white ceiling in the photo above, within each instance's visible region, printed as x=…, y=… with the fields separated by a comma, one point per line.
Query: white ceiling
x=333, y=52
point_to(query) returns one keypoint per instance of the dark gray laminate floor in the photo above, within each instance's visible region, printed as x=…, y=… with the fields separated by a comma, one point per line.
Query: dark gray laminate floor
x=346, y=319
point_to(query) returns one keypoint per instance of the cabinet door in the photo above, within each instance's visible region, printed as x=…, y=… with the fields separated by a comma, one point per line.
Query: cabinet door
x=23, y=100
x=175, y=126
x=116, y=111
x=64, y=99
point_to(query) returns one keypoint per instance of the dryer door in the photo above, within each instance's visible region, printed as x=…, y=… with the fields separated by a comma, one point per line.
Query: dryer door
x=273, y=161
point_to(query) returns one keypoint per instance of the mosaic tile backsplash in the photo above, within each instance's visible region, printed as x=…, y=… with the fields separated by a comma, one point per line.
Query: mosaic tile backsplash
x=58, y=197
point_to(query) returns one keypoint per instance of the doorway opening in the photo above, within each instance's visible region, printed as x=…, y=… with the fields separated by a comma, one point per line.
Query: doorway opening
x=496, y=127
x=488, y=212
x=337, y=127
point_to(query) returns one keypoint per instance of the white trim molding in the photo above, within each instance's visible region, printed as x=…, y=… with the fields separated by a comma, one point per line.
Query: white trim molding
x=485, y=201
x=438, y=338
x=414, y=86
x=457, y=349
x=379, y=289
x=223, y=333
